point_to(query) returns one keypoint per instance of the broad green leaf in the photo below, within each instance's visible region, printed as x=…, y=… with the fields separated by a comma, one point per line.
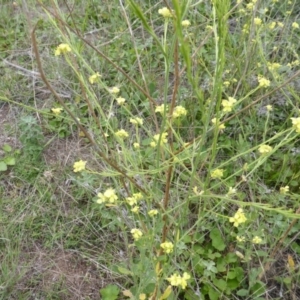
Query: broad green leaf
x=217, y=240
x=10, y=161
x=7, y=148
x=124, y=271
x=110, y=292
x=3, y=166
x=242, y=292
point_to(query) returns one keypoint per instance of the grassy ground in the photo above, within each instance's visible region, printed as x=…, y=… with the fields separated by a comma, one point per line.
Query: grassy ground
x=58, y=241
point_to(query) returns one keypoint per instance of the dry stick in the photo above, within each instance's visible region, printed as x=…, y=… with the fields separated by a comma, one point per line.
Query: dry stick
x=103, y=56
x=170, y=169
x=268, y=265
x=82, y=128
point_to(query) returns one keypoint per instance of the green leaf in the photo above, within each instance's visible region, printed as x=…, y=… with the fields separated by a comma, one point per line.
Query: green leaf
x=220, y=284
x=7, y=148
x=217, y=240
x=3, y=166
x=10, y=161
x=213, y=294
x=242, y=292
x=110, y=292
x=124, y=271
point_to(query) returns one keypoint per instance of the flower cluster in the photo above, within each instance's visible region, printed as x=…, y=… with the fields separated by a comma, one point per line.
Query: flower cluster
x=257, y=21
x=61, y=49
x=57, y=110
x=231, y=191
x=264, y=149
x=284, y=190
x=256, y=240
x=167, y=247
x=152, y=212
x=109, y=196
x=79, y=166
x=120, y=100
x=114, y=90
x=240, y=239
x=122, y=134
x=238, y=218
x=136, y=234
x=217, y=122
x=93, y=78
x=263, y=82
x=136, y=121
x=161, y=108
x=163, y=139
x=165, y=12
x=296, y=124
x=179, y=111
x=134, y=199
x=177, y=280
x=186, y=23
x=217, y=173
x=228, y=104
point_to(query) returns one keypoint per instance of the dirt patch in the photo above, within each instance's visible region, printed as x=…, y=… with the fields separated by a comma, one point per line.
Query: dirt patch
x=64, y=273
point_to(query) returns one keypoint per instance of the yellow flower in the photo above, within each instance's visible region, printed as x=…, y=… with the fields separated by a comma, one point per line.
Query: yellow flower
x=273, y=66
x=142, y=297
x=136, y=145
x=269, y=107
x=108, y=196
x=176, y=280
x=263, y=82
x=62, y=48
x=114, y=90
x=257, y=21
x=280, y=24
x=179, y=111
x=136, y=234
x=165, y=12
x=296, y=124
x=122, y=134
x=240, y=239
x=167, y=247
x=231, y=191
x=79, y=166
x=134, y=199
x=238, y=218
x=217, y=173
x=136, y=121
x=226, y=83
x=163, y=139
x=228, y=104
x=57, y=110
x=161, y=109
x=272, y=25
x=215, y=121
x=295, y=25
x=93, y=78
x=186, y=23
x=256, y=240
x=135, y=209
x=284, y=190
x=264, y=149
x=250, y=6
x=120, y=100
x=152, y=212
